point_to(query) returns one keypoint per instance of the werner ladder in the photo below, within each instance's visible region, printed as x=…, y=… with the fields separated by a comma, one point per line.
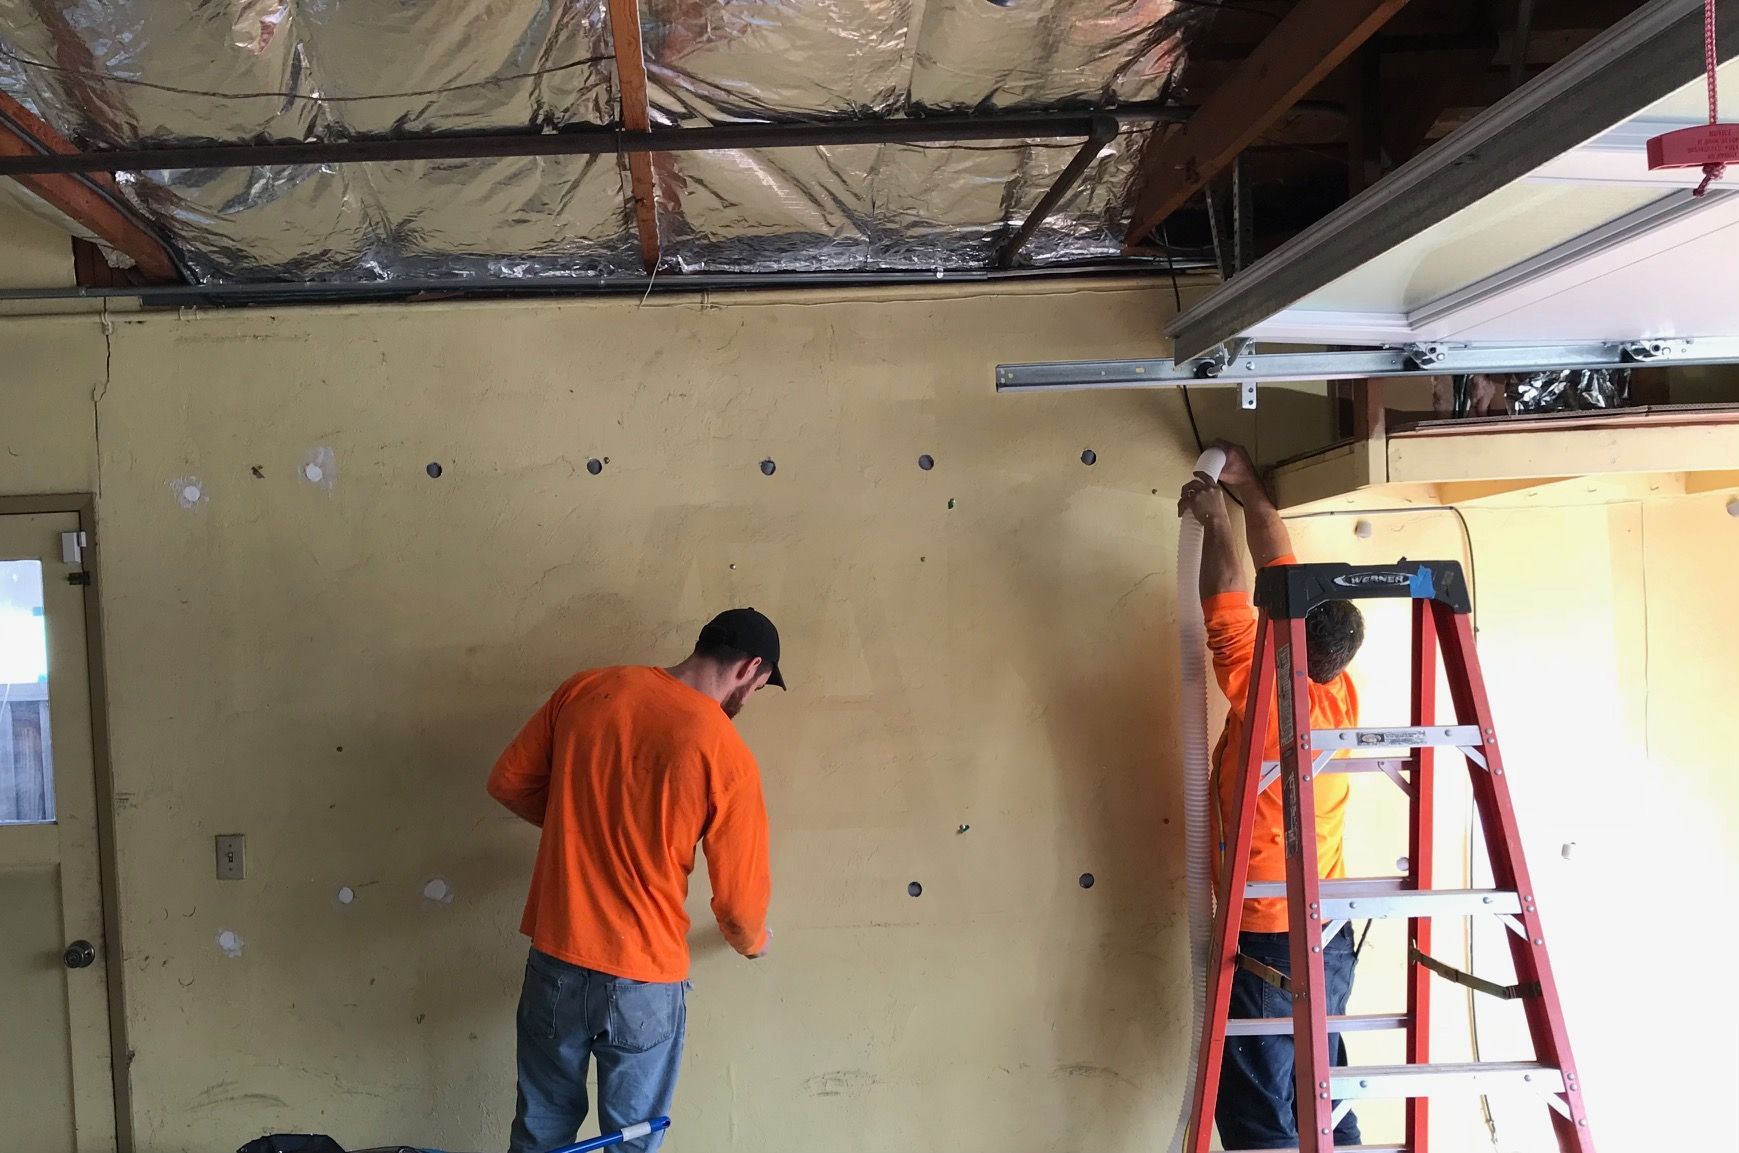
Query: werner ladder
x=1317, y=909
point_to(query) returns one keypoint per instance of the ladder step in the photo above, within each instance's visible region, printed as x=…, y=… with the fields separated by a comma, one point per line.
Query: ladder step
x=1356, y=1083
x=1282, y=1026
x=1435, y=736
x=1337, y=1149
x=1373, y=898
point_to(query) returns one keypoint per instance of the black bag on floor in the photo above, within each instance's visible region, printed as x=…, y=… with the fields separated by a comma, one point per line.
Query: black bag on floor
x=292, y=1143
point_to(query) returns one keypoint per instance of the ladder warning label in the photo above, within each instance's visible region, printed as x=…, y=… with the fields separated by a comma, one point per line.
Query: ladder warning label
x=1405, y=737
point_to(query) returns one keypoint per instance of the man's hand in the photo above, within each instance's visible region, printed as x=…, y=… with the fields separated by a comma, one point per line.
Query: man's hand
x=1202, y=499
x=1239, y=475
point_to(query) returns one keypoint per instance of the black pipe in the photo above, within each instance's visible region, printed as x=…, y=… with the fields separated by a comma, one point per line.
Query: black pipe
x=595, y=142
x=1104, y=131
x=287, y=292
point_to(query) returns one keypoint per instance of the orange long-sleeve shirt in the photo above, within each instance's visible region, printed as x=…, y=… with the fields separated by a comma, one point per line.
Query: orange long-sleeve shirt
x=1231, y=628
x=625, y=769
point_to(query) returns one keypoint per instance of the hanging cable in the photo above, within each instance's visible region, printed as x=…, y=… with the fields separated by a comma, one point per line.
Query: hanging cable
x=1715, y=169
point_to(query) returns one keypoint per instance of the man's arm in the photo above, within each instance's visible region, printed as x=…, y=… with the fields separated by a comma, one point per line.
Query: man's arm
x=736, y=861
x=520, y=779
x=1222, y=570
x=1264, y=531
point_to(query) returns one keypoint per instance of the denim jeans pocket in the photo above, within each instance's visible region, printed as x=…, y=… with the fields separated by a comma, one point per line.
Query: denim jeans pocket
x=540, y=1002
x=643, y=1015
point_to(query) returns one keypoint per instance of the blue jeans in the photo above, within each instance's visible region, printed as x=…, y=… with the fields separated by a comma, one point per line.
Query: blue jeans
x=567, y=1017
x=1255, y=1110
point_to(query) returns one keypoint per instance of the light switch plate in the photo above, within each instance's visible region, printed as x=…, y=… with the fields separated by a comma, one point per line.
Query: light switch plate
x=232, y=854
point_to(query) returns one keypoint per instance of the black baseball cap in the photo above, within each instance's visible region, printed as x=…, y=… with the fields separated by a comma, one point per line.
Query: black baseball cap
x=749, y=632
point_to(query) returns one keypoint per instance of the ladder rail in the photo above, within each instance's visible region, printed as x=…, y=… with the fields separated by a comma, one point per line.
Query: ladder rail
x=1421, y=867
x=1545, y=1013
x=1234, y=875
x=1311, y=1045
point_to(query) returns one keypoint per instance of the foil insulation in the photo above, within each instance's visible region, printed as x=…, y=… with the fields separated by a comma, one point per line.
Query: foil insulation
x=1570, y=390
x=126, y=73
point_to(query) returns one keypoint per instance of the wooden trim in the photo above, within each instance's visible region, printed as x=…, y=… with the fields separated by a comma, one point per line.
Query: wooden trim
x=1314, y=39
x=78, y=200
x=636, y=117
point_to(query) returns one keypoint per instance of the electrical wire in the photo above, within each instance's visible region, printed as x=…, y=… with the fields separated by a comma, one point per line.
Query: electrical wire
x=1177, y=300
x=1232, y=7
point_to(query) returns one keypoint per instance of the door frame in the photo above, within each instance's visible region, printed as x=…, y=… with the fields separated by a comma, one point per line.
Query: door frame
x=85, y=506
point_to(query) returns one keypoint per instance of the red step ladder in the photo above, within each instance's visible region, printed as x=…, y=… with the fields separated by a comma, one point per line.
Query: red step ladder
x=1317, y=909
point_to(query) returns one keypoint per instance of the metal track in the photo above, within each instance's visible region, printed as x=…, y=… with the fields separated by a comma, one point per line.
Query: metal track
x=1413, y=360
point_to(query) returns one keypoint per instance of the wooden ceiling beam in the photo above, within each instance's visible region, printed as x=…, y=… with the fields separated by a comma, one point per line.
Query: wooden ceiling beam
x=1314, y=38
x=636, y=117
x=90, y=202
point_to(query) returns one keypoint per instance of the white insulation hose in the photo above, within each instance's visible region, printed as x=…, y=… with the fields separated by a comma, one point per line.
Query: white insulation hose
x=1193, y=716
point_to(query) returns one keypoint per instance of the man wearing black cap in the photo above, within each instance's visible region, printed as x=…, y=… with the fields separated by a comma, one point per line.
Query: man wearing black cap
x=625, y=769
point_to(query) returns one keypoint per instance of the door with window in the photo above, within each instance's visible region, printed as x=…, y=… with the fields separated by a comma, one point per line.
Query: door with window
x=56, y=1082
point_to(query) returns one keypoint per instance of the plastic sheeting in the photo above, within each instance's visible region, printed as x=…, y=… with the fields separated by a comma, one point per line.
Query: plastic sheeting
x=128, y=72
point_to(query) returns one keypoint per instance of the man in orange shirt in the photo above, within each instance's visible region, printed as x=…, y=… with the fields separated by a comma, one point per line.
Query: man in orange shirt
x=624, y=770
x=1256, y=1108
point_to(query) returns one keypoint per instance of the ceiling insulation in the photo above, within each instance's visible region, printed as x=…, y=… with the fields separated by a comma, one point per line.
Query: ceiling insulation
x=164, y=72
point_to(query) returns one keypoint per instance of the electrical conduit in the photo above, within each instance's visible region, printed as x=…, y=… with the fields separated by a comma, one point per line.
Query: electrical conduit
x=1193, y=714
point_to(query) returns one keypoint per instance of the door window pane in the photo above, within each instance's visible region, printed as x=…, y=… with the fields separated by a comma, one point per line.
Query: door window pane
x=26, y=747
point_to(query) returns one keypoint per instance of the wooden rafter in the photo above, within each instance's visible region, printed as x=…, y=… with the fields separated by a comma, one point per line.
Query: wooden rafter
x=1314, y=38
x=636, y=117
x=22, y=133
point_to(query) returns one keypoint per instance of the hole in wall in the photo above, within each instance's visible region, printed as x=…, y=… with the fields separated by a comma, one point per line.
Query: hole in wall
x=1086, y=880
x=914, y=890
x=768, y=468
x=926, y=462
x=594, y=466
x=950, y=502
x=434, y=470
x=1088, y=456
x=259, y=473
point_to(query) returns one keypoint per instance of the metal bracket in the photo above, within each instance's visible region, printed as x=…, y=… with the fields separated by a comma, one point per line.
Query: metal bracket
x=1426, y=356
x=1645, y=351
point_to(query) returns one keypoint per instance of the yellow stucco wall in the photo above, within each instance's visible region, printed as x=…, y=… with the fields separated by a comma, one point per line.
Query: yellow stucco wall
x=330, y=668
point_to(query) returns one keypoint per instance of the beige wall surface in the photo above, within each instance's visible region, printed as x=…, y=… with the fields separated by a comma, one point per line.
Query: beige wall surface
x=330, y=667
x=33, y=252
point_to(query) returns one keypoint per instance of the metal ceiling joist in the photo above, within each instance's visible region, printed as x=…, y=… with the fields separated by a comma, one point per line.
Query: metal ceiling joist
x=1311, y=42
x=1641, y=59
x=92, y=202
x=595, y=142
x=636, y=117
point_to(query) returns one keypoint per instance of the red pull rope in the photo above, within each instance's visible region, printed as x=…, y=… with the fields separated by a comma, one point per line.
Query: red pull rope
x=1711, y=172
